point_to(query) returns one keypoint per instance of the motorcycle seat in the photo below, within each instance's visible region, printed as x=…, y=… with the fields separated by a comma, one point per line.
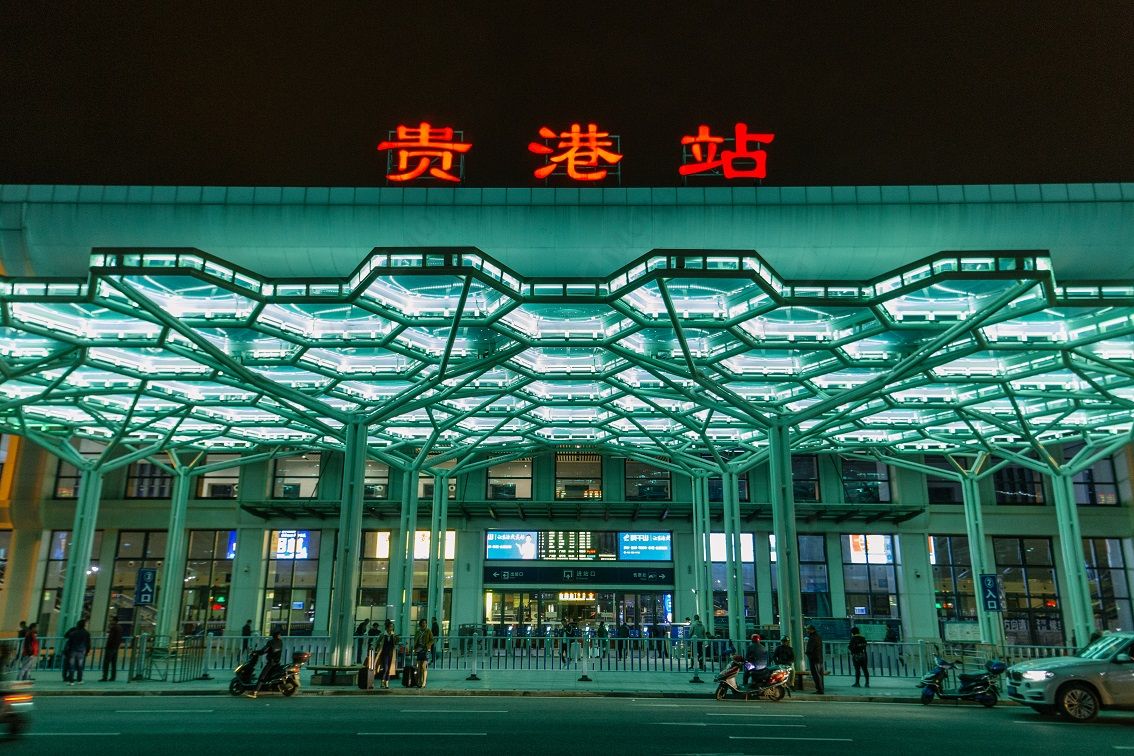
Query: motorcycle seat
x=972, y=678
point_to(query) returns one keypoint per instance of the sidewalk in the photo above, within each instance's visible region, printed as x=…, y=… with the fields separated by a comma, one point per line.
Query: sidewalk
x=502, y=683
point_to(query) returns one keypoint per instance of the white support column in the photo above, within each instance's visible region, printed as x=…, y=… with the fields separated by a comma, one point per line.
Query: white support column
x=1074, y=564
x=787, y=540
x=436, y=584
x=762, y=551
x=707, y=566
x=991, y=624
x=173, y=567
x=734, y=568
x=703, y=599
x=344, y=591
x=82, y=541
x=402, y=551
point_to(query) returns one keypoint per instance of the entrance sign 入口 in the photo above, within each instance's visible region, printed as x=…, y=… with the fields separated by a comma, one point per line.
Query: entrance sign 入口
x=991, y=593
x=145, y=589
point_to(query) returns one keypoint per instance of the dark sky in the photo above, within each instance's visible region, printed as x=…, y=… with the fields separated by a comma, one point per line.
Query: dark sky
x=856, y=93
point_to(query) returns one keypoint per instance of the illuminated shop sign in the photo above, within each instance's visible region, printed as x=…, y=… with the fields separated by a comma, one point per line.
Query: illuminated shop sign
x=645, y=547
x=292, y=544
x=577, y=596
x=578, y=546
x=576, y=154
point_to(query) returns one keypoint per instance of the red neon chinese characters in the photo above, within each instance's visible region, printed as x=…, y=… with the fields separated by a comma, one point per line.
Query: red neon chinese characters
x=432, y=148
x=582, y=152
x=707, y=157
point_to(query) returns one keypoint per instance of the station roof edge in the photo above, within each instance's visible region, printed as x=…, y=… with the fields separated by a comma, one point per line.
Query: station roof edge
x=929, y=194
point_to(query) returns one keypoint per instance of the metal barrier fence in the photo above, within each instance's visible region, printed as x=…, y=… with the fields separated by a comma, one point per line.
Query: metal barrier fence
x=146, y=657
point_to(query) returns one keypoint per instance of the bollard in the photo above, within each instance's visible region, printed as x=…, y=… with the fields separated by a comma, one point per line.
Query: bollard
x=208, y=658
x=585, y=654
x=476, y=654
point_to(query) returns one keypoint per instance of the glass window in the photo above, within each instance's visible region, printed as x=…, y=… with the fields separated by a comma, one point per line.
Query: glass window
x=58, y=550
x=207, y=580
x=420, y=598
x=426, y=482
x=578, y=476
x=145, y=480
x=1018, y=485
x=289, y=581
x=716, y=488
x=376, y=481
x=67, y=476
x=374, y=575
x=942, y=490
x=136, y=549
x=5, y=545
x=645, y=482
x=814, y=586
x=866, y=482
x=953, y=583
x=3, y=452
x=805, y=477
x=219, y=484
x=510, y=480
x=1110, y=583
x=1096, y=486
x=1031, y=616
x=718, y=552
x=297, y=477
x=870, y=576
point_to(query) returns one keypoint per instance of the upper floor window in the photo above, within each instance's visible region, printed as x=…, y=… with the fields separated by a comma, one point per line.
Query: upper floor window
x=866, y=482
x=1098, y=484
x=376, y=480
x=510, y=480
x=805, y=477
x=426, y=482
x=646, y=482
x=145, y=480
x=1018, y=485
x=578, y=476
x=219, y=484
x=297, y=477
x=942, y=490
x=67, y=476
x=716, y=488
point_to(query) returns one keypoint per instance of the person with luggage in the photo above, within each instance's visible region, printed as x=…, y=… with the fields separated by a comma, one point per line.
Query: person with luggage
x=387, y=665
x=422, y=642
x=857, y=648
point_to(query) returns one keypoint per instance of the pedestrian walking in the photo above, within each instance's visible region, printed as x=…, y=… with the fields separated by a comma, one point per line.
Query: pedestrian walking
x=245, y=636
x=110, y=653
x=857, y=648
x=386, y=668
x=422, y=641
x=697, y=648
x=77, y=642
x=29, y=652
x=814, y=653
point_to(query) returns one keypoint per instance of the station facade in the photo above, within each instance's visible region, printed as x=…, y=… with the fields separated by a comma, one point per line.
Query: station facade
x=577, y=529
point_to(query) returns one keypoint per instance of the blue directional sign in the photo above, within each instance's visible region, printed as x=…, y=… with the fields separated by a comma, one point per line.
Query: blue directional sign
x=991, y=593
x=146, y=587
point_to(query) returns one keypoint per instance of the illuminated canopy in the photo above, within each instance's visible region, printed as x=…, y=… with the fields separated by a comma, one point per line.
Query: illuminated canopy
x=689, y=357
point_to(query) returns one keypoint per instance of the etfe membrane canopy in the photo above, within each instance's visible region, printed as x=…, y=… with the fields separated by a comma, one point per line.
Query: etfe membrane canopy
x=683, y=355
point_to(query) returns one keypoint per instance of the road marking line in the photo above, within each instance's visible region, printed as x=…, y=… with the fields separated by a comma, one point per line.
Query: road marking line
x=773, y=737
x=67, y=734
x=454, y=711
x=164, y=711
x=1040, y=722
x=425, y=734
x=728, y=724
x=793, y=716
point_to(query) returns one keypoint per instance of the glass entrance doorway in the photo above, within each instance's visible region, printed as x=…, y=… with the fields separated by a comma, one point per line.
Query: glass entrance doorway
x=552, y=612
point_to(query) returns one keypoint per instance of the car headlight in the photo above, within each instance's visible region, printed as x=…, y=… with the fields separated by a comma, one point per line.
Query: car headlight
x=1036, y=675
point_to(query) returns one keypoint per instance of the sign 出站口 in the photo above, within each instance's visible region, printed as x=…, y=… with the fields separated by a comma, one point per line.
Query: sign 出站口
x=991, y=593
x=145, y=589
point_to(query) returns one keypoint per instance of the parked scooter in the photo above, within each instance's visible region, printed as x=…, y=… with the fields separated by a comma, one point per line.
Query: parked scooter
x=983, y=687
x=770, y=683
x=15, y=707
x=280, y=679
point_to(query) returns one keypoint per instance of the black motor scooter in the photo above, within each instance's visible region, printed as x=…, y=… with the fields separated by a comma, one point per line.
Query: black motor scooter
x=984, y=688
x=279, y=678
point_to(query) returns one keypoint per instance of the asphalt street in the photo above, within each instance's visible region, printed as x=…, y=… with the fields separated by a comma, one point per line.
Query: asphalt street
x=427, y=724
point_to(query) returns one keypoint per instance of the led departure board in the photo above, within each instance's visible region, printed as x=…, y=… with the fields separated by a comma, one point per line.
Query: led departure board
x=577, y=546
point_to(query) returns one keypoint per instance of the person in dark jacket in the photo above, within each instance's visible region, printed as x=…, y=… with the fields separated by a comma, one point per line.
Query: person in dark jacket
x=814, y=654
x=245, y=635
x=110, y=655
x=77, y=642
x=757, y=657
x=435, y=628
x=784, y=653
x=273, y=652
x=386, y=668
x=857, y=648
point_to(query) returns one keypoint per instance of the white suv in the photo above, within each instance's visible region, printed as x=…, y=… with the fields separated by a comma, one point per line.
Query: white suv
x=1100, y=676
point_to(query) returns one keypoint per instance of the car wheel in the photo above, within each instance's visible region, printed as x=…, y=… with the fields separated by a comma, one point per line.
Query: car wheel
x=722, y=691
x=235, y=687
x=1078, y=702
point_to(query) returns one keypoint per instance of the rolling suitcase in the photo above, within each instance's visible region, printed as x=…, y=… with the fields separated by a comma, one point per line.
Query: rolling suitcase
x=409, y=676
x=366, y=674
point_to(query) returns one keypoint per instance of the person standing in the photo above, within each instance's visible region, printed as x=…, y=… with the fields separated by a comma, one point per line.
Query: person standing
x=857, y=648
x=110, y=654
x=603, y=636
x=77, y=644
x=422, y=641
x=360, y=640
x=245, y=636
x=435, y=627
x=697, y=649
x=386, y=667
x=29, y=652
x=814, y=653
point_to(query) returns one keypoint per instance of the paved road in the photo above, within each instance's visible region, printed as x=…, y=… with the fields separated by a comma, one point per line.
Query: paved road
x=530, y=726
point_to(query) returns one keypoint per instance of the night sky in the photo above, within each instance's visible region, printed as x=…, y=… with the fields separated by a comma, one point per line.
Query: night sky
x=856, y=93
